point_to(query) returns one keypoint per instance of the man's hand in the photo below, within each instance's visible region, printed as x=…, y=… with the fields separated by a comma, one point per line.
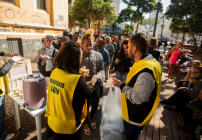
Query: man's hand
x=40, y=57
x=47, y=57
x=116, y=82
x=181, y=88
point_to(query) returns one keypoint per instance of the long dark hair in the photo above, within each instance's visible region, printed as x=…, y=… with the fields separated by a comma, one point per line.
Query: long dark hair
x=121, y=51
x=68, y=58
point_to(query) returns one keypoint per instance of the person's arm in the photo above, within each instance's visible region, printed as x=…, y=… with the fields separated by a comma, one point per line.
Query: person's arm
x=195, y=107
x=10, y=55
x=6, y=67
x=86, y=91
x=142, y=89
x=193, y=92
x=168, y=54
x=181, y=55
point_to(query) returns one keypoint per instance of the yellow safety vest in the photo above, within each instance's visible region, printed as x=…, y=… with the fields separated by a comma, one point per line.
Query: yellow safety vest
x=4, y=83
x=137, y=67
x=59, y=110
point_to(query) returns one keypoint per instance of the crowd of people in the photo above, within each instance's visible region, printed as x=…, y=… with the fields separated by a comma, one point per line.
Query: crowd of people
x=134, y=59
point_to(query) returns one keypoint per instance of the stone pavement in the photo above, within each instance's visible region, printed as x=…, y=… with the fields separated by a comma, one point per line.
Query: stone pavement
x=28, y=127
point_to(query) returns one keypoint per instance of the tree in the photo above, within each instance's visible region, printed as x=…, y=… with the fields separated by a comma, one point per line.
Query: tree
x=149, y=23
x=142, y=7
x=89, y=11
x=186, y=9
x=128, y=14
x=114, y=26
x=128, y=28
x=178, y=26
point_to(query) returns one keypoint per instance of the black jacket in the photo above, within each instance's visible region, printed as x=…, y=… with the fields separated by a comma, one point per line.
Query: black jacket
x=124, y=64
x=154, y=53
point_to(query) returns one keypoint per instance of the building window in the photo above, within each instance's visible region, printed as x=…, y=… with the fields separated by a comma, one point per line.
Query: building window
x=41, y=4
x=10, y=1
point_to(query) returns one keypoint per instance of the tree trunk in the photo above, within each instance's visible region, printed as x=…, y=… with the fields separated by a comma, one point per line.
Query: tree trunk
x=137, y=27
x=191, y=33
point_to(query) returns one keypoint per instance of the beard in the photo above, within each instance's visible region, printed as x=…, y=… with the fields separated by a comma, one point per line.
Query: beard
x=130, y=54
x=99, y=47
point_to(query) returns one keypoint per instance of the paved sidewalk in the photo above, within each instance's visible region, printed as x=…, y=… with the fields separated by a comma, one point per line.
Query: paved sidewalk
x=161, y=126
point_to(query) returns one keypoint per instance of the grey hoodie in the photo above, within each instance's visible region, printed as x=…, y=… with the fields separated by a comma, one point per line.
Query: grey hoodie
x=94, y=62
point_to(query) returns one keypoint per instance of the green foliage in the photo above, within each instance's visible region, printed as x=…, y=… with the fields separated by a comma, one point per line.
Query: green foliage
x=128, y=28
x=149, y=23
x=142, y=7
x=88, y=11
x=114, y=26
x=160, y=7
x=128, y=14
x=189, y=11
x=178, y=26
x=69, y=1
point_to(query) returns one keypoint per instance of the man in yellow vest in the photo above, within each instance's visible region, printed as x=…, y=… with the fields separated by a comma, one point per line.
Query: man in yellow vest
x=3, y=71
x=141, y=91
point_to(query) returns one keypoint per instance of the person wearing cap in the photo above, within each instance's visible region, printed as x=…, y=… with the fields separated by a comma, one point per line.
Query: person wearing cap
x=59, y=36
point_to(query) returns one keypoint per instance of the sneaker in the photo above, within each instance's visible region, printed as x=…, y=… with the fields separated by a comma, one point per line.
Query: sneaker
x=10, y=136
x=165, y=101
x=182, y=126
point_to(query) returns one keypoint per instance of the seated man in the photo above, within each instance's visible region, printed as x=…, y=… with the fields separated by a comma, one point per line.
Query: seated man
x=186, y=81
x=184, y=95
x=192, y=116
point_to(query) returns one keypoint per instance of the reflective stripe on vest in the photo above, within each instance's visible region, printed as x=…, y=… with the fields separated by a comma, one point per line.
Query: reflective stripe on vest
x=59, y=110
x=137, y=67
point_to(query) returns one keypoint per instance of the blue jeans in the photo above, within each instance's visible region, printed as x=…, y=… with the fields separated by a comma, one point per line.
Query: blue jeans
x=132, y=132
x=2, y=117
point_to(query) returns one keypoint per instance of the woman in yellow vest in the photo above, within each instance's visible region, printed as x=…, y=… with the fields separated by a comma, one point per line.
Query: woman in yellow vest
x=4, y=69
x=67, y=93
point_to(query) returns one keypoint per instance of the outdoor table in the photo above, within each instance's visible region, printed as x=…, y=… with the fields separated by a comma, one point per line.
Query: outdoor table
x=17, y=101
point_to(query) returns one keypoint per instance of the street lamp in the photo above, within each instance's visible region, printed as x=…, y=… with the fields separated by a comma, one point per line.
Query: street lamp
x=162, y=28
x=158, y=5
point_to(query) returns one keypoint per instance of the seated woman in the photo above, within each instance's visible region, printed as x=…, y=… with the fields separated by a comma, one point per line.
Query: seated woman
x=192, y=117
x=123, y=63
x=152, y=48
x=187, y=79
x=184, y=95
x=67, y=93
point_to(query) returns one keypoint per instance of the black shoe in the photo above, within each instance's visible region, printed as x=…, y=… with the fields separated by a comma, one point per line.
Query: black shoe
x=182, y=126
x=165, y=101
x=170, y=107
x=106, y=81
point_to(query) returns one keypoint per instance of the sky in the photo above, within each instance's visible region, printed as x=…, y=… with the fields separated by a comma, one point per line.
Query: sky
x=165, y=4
